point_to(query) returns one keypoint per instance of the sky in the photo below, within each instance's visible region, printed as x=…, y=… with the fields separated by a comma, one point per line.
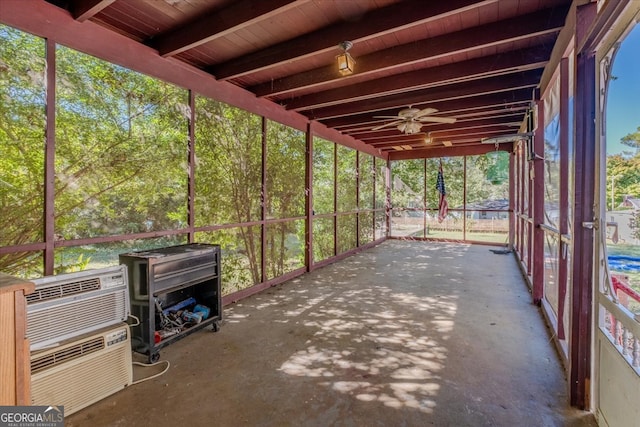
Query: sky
x=623, y=104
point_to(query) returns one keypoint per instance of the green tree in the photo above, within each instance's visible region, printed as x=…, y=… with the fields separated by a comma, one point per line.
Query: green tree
x=632, y=140
x=22, y=143
x=285, y=198
x=229, y=185
x=622, y=178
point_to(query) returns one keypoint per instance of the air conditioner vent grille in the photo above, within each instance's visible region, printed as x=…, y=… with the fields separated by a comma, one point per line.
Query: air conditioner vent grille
x=47, y=293
x=62, y=322
x=67, y=354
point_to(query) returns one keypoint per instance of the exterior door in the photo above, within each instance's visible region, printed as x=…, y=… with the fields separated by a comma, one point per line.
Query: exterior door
x=617, y=243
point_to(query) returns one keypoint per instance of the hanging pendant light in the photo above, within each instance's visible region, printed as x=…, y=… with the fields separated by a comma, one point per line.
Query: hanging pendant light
x=345, y=61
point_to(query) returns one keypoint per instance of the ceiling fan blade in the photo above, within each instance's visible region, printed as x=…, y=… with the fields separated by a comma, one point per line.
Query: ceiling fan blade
x=448, y=120
x=387, y=124
x=425, y=112
x=387, y=117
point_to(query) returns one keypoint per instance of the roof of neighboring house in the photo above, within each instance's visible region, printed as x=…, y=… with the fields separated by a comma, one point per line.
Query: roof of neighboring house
x=633, y=202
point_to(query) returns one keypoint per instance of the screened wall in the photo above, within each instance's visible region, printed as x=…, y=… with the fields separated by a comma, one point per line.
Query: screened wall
x=477, y=194
x=109, y=160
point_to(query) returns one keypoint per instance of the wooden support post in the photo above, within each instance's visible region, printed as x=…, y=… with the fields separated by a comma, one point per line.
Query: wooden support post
x=583, y=263
x=308, y=257
x=538, y=207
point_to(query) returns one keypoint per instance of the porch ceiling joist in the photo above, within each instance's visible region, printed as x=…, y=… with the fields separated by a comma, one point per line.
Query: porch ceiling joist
x=527, y=79
x=520, y=60
x=469, y=59
x=430, y=128
x=442, y=151
x=377, y=22
x=498, y=101
x=85, y=9
x=480, y=37
x=218, y=23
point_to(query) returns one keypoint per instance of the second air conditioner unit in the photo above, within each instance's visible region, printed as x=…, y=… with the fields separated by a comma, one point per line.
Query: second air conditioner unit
x=82, y=371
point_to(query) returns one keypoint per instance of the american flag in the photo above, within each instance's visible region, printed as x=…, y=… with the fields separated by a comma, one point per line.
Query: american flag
x=443, y=206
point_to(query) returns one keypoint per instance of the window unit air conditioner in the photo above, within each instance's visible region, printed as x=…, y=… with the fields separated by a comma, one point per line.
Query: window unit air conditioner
x=82, y=371
x=67, y=305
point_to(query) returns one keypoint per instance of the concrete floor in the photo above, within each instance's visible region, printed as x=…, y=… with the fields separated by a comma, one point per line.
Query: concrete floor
x=405, y=334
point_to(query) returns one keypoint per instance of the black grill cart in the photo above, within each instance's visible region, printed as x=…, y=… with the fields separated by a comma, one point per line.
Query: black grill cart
x=174, y=291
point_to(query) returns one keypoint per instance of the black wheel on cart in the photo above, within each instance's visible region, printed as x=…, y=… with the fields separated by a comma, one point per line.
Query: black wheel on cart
x=215, y=326
x=154, y=357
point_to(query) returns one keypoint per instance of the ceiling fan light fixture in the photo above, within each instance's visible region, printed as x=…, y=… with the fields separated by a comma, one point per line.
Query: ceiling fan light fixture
x=346, y=64
x=409, y=127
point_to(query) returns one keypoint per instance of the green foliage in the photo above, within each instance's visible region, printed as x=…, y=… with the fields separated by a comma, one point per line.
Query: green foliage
x=365, y=227
x=407, y=184
x=346, y=186
x=634, y=224
x=623, y=178
x=488, y=177
x=453, y=171
x=323, y=242
x=285, y=198
x=228, y=164
x=632, y=140
x=79, y=264
x=380, y=183
x=241, y=260
x=414, y=181
x=347, y=233
x=286, y=159
x=120, y=150
x=323, y=176
x=285, y=247
x=22, y=137
x=121, y=167
x=365, y=180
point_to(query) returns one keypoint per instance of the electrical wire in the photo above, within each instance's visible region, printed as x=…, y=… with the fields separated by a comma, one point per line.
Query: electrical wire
x=147, y=364
x=154, y=375
x=134, y=318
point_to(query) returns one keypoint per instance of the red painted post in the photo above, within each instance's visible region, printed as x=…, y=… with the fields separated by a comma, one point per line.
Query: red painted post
x=564, y=193
x=584, y=197
x=308, y=257
x=538, y=207
x=49, y=162
x=263, y=202
x=512, y=196
x=191, y=162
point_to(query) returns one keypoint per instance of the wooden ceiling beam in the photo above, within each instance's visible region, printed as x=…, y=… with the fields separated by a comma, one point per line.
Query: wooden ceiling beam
x=502, y=100
x=455, y=144
x=535, y=24
x=418, y=138
x=474, y=132
x=510, y=82
x=508, y=62
x=85, y=9
x=461, y=118
x=461, y=139
x=491, y=112
x=218, y=23
x=505, y=123
x=375, y=23
x=430, y=152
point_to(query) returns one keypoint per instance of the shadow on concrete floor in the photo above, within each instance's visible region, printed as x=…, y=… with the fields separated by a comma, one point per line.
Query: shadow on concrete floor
x=404, y=334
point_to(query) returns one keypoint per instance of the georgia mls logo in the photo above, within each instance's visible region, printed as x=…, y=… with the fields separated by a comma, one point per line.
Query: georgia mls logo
x=53, y=408
x=31, y=416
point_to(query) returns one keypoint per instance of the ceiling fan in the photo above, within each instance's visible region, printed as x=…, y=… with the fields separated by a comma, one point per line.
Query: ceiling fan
x=410, y=120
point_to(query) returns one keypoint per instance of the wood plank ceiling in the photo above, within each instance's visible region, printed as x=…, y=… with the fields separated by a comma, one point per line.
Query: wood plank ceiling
x=477, y=61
